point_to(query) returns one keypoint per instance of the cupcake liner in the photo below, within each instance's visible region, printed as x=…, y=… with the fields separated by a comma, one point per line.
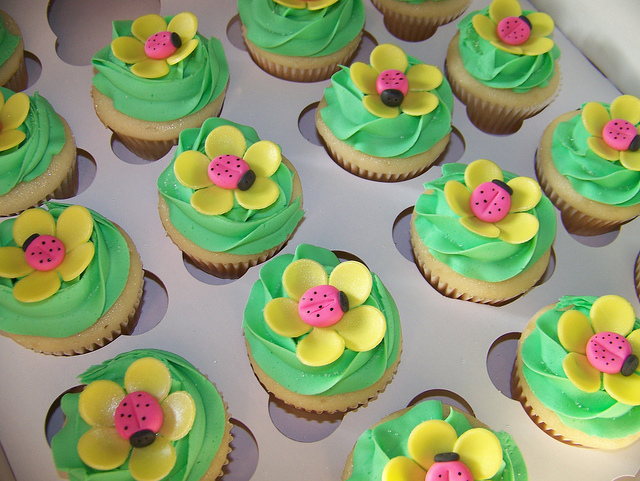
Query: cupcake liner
x=147, y=149
x=637, y=275
x=19, y=80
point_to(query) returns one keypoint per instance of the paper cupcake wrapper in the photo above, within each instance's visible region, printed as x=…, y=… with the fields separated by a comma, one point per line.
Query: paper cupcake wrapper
x=19, y=80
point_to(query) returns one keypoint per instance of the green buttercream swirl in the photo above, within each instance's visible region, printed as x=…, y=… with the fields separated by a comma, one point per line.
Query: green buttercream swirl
x=470, y=254
x=239, y=231
x=8, y=42
x=194, y=452
x=276, y=354
x=301, y=32
x=589, y=174
x=190, y=84
x=378, y=445
x=79, y=303
x=596, y=414
x=31, y=158
x=402, y=136
x=498, y=69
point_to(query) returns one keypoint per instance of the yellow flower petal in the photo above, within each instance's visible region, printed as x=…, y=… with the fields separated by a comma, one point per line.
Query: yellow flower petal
x=33, y=221
x=74, y=226
x=321, y=347
x=297, y=4
x=419, y=103
x=626, y=107
x=634, y=340
x=150, y=375
x=485, y=27
x=37, y=286
x=374, y=105
x=612, y=314
x=458, y=198
x=402, y=468
x=480, y=451
x=388, y=57
x=581, y=373
x=485, y=229
x=191, y=168
x=13, y=263
x=153, y=462
x=150, y=68
x=225, y=139
x=481, y=171
x=624, y=389
x=594, y=118
x=430, y=438
x=281, y=315
x=630, y=160
x=103, y=449
x=264, y=158
x=364, y=77
x=179, y=411
x=263, y=193
x=574, y=331
x=183, y=52
x=76, y=261
x=354, y=279
x=10, y=138
x=128, y=50
x=536, y=46
x=518, y=228
x=541, y=24
x=302, y=275
x=15, y=111
x=184, y=24
x=499, y=9
x=526, y=194
x=319, y=4
x=362, y=328
x=98, y=402
x=147, y=25
x=212, y=200
x=600, y=148
x=424, y=77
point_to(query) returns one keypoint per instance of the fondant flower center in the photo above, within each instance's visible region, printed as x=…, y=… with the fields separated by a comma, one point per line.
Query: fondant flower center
x=514, y=30
x=611, y=353
x=620, y=134
x=323, y=306
x=392, y=86
x=44, y=252
x=491, y=201
x=448, y=466
x=162, y=45
x=138, y=418
x=231, y=172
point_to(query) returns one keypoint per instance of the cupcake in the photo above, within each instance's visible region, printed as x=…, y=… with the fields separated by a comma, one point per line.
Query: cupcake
x=158, y=77
x=37, y=153
x=13, y=71
x=183, y=432
x=70, y=280
x=503, y=66
x=480, y=234
x=588, y=163
x=433, y=441
x=299, y=40
x=576, y=371
x=227, y=223
x=321, y=356
x=416, y=20
x=388, y=121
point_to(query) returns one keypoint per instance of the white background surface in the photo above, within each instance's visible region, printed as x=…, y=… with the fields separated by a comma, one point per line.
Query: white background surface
x=446, y=341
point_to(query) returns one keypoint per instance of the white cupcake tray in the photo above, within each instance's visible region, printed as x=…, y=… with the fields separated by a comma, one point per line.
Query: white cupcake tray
x=452, y=349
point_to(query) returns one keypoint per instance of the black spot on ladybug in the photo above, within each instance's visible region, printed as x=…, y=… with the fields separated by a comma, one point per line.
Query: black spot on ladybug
x=391, y=97
x=247, y=180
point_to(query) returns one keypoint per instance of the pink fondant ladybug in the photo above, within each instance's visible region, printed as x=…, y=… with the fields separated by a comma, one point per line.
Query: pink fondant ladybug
x=231, y=172
x=448, y=467
x=611, y=353
x=514, y=30
x=162, y=45
x=491, y=201
x=621, y=135
x=392, y=86
x=44, y=252
x=323, y=306
x=138, y=418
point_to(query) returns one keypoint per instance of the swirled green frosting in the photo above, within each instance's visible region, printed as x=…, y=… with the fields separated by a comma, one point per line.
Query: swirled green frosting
x=31, y=158
x=596, y=414
x=387, y=440
x=502, y=70
x=190, y=84
x=276, y=354
x=239, y=231
x=8, y=42
x=79, y=303
x=470, y=254
x=589, y=174
x=301, y=32
x=403, y=136
x=194, y=452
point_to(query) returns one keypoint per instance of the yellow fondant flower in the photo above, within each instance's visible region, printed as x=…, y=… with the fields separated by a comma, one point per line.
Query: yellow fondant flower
x=490, y=207
x=329, y=310
x=229, y=170
x=436, y=452
x=142, y=419
x=13, y=113
x=156, y=45
x=615, y=132
x=391, y=86
x=48, y=251
x=603, y=349
x=508, y=30
x=308, y=4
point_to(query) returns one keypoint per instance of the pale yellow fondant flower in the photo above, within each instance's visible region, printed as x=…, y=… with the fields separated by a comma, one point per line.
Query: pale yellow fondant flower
x=13, y=113
x=308, y=4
